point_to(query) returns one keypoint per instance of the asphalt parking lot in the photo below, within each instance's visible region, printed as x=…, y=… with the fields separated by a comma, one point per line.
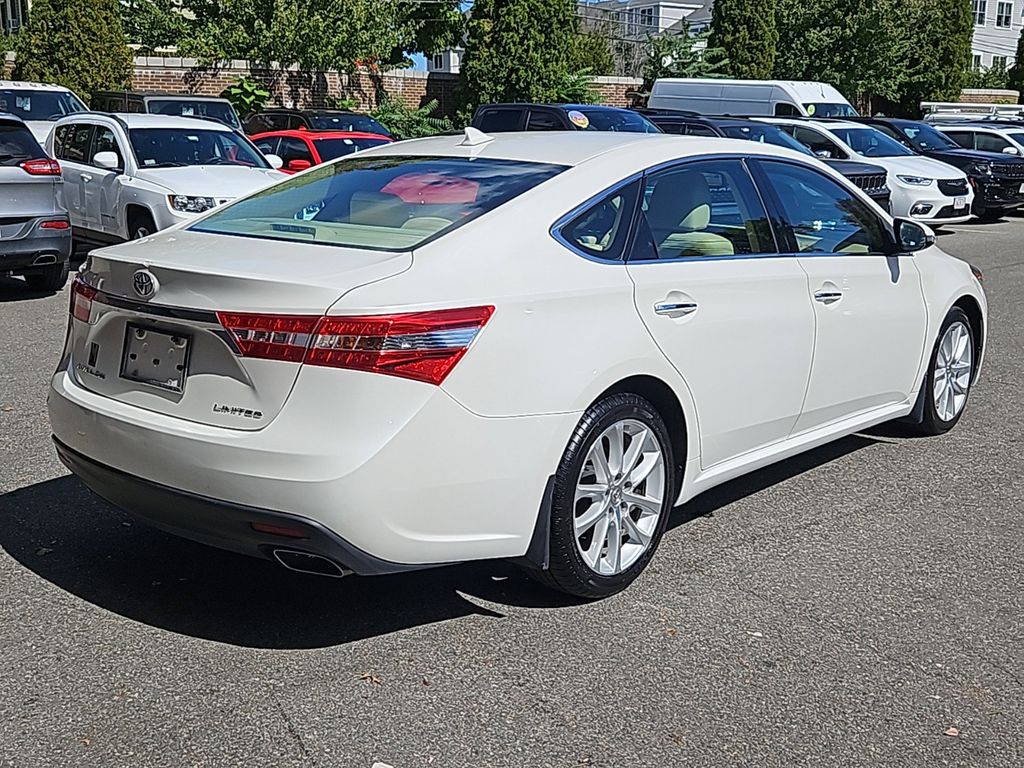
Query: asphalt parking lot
x=857, y=606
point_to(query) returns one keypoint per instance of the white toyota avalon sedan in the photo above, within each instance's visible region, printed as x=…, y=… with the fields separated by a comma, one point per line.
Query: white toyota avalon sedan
x=529, y=347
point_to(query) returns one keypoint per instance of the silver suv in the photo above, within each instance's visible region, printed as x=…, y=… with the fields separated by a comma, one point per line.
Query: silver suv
x=35, y=232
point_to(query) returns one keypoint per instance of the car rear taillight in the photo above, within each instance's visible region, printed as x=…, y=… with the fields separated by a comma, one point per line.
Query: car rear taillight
x=81, y=300
x=424, y=346
x=41, y=167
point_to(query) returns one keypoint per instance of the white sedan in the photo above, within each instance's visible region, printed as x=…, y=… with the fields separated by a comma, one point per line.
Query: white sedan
x=531, y=347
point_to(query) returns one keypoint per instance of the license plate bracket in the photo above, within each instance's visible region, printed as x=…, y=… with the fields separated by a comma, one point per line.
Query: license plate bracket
x=155, y=358
x=960, y=202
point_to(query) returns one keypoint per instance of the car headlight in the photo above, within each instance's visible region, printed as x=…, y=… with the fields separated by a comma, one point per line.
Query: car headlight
x=190, y=203
x=982, y=168
x=917, y=181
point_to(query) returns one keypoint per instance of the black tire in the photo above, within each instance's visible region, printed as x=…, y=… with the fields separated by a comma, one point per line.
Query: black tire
x=931, y=422
x=140, y=224
x=989, y=216
x=567, y=571
x=50, y=279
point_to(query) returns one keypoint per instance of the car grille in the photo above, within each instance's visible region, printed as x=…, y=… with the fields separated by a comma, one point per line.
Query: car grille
x=1013, y=170
x=953, y=187
x=872, y=183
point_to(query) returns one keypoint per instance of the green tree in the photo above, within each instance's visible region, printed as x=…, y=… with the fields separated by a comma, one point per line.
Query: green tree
x=517, y=50
x=1015, y=77
x=745, y=31
x=591, y=52
x=79, y=44
x=938, y=34
x=407, y=122
x=681, y=55
x=153, y=24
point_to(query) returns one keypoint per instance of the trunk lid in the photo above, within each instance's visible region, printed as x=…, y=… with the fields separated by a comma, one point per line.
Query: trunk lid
x=135, y=341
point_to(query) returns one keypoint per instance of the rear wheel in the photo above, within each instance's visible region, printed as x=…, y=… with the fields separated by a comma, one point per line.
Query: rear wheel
x=51, y=278
x=950, y=371
x=614, y=490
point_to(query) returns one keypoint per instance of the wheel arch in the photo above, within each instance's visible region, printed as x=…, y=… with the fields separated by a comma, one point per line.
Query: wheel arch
x=132, y=212
x=972, y=309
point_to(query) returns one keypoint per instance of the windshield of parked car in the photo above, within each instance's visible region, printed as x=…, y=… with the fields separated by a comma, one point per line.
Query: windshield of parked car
x=347, y=121
x=332, y=149
x=380, y=203
x=830, y=109
x=1017, y=137
x=926, y=138
x=220, y=111
x=172, y=147
x=765, y=134
x=622, y=120
x=30, y=104
x=17, y=144
x=870, y=142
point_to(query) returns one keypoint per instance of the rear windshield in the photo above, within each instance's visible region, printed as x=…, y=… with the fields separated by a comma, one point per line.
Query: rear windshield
x=17, y=145
x=220, y=111
x=30, y=104
x=380, y=203
x=346, y=121
x=332, y=149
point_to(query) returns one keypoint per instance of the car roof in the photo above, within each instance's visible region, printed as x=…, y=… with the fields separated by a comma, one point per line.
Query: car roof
x=553, y=105
x=310, y=111
x=7, y=117
x=984, y=125
x=162, y=95
x=318, y=135
x=573, y=148
x=146, y=120
x=33, y=85
x=826, y=124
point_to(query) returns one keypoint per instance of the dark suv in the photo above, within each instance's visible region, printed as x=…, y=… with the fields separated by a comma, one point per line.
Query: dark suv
x=35, y=231
x=282, y=119
x=183, y=105
x=504, y=118
x=870, y=178
x=998, y=179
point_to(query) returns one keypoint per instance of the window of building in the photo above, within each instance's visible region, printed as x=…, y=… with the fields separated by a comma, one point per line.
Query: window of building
x=1004, y=15
x=979, y=8
x=438, y=61
x=999, y=63
x=647, y=17
x=976, y=61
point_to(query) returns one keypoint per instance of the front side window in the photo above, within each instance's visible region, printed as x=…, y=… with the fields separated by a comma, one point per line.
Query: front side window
x=702, y=209
x=541, y=120
x=173, y=147
x=820, y=144
x=990, y=142
x=963, y=138
x=601, y=230
x=31, y=104
x=765, y=134
x=294, y=149
x=830, y=109
x=392, y=203
x=1004, y=15
x=823, y=216
x=785, y=109
x=870, y=143
x=105, y=141
x=694, y=129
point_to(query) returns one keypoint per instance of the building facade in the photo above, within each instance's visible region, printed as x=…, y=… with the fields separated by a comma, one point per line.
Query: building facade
x=13, y=15
x=997, y=26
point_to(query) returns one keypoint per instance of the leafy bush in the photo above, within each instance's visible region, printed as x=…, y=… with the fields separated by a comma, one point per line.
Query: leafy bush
x=577, y=88
x=246, y=95
x=405, y=122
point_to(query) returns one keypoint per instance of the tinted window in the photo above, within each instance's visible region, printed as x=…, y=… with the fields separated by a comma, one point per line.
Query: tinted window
x=169, y=147
x=17, y=144
x=543, y=121
x=695, y=129
x=602, y=229
x=765, y=134
x=926, y=138
x=30, y=104
x=267, y=146
x=818, y=143
x=672, y=126
x=332, y=149
x=214, y=110
x=964, y=138
x=75, y=146
x=622, y=120
x=871, y=143
x=294, y=149
x=383, y=203
x=786, y=110
x=989, y=142
x=824, y=216
x=106, y=142
x=702, y=209
x=500, y=120
x=1018, y=137
x=347, y=121
x=830, y=109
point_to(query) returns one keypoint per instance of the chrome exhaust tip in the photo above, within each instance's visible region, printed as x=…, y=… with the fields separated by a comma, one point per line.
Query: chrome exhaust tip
x=304, y=562
x=46, y=258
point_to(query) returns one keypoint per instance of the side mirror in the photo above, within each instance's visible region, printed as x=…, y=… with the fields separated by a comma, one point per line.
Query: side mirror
x=298, y=165
x=275, y=161
x=911, y=236
x=1011, y=151
x=107, y=160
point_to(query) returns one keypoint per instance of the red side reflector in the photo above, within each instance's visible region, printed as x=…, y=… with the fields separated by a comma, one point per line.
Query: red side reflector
x=81, y=300
x=56, y=224
x=42, y=167
x=279, y=530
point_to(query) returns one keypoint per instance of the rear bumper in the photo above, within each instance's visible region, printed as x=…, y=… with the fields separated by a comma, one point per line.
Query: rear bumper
x=31, y=246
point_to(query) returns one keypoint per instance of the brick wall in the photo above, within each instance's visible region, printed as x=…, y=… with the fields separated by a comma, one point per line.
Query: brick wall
x=989, y=96
x=617, y=91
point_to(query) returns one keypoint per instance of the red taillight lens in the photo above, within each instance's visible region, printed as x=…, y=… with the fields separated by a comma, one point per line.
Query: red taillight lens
x=56, y=224
x=424, y=346
x=42, y=167
x=81, y=300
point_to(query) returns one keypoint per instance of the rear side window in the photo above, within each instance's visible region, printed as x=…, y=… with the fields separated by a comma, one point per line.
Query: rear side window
x=500, y=120
x=543, y=121
x=964, y=138
x=602, y=229
x=74, y=144
x=17, y=144
x=381, y=203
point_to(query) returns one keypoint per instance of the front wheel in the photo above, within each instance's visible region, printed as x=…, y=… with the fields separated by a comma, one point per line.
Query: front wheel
x=950, y=373
x=614, y=490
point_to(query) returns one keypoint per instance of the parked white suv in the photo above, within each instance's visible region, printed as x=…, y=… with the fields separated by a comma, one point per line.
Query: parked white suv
x=127, y=176
x=923, y=189
x=988, y=136
x=39, y=105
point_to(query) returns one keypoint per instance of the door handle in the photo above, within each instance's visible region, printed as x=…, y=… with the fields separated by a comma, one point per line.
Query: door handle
x=86, y=178
x=828, y=297
x=675, y=308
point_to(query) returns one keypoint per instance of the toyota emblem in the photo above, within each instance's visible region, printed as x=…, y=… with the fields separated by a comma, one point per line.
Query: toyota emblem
x=145, y=283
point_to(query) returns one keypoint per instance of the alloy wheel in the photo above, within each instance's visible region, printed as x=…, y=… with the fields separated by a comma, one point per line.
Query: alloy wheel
x=952, y=374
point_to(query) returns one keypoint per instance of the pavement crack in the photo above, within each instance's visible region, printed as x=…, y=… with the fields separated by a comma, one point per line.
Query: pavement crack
x=292, y=730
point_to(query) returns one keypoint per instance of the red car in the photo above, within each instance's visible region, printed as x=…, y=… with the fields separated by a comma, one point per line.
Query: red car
x=303, y=149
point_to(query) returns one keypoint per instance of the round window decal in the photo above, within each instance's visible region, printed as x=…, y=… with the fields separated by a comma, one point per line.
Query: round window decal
x=578, y=119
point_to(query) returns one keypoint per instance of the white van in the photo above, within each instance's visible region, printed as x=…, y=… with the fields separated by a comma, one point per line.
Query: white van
x=781, y=98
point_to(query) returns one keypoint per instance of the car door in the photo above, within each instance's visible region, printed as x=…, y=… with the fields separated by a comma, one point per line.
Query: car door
x=993, y=142
x=732, y=315
x=71, y=144
x=101, y=194
x=869, y=311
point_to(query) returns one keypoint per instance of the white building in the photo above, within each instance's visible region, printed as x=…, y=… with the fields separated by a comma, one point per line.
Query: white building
x=997, y=25
x=639, y=18
x=13, y=15
x=449, y=61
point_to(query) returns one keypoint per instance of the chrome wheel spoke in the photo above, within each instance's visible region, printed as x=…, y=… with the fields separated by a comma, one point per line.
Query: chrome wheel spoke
x=586, y=521
x=647, y=506
x=952, y=373
x=593, y=553
x=613, y=555
x=635, y=533
x=616, y=447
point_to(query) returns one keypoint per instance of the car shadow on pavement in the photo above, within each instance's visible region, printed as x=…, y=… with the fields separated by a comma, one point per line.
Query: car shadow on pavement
x=14, y=289
x=73, y=539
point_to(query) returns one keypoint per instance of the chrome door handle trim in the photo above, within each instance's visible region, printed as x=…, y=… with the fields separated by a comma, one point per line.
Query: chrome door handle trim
x=828, y=297
x=86, y=178
x=675, y=308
